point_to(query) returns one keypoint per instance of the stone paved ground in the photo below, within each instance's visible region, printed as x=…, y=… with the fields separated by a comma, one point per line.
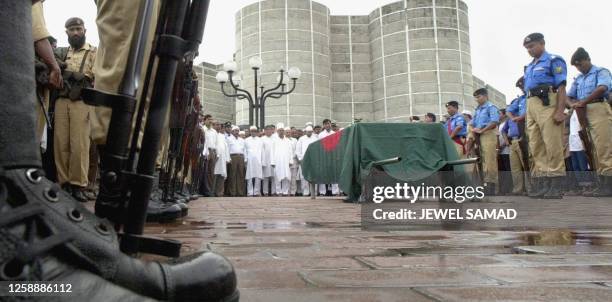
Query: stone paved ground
x=298, y=249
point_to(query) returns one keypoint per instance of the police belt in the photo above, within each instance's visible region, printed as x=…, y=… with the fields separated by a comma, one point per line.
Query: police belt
x=597, y=101
x=512, y=139
x=538, y=90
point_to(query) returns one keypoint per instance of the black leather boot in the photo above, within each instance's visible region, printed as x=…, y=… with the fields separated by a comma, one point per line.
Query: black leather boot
x=31, y=250
x=202, y=277
x=605, y=187
x=540, y=187
x=554, y=191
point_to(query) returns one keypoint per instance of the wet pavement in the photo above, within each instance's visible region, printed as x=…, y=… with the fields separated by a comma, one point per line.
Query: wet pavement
x=298, y=249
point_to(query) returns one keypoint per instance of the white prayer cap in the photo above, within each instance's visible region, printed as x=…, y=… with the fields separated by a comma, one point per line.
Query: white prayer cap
x=341, y=128
x=253, y=128
x=309, y=124
x=308, y=128
x=287, y=129
x=241, y=133
x=280, y=125
x=466, y=112
x=234, y=127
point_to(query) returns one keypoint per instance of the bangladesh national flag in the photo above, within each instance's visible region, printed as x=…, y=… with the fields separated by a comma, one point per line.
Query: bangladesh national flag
x=346, y=157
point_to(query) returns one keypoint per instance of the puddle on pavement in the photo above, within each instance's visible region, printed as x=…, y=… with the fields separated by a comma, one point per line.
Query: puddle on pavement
x=563, y=237
x=251, y=226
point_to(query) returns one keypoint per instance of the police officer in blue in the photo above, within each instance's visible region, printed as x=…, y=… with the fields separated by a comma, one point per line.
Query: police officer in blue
x=456, y=126
x=590, y=89
x=545, y=82
x=484, y=128
x=514, y=134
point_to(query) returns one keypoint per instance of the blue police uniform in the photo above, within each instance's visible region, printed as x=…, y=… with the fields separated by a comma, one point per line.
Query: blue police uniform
x=455, y=121
x=484, y=115
x=585, y=84
x=599, y=115
x=547, y=70
x=518, y=107
x=545, y=136
x=511, y=129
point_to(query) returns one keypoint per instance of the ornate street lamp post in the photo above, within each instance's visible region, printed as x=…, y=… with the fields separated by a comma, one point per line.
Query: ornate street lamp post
x=257, y=100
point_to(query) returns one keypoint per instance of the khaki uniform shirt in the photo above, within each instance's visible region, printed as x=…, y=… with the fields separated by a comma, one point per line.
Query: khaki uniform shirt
x=75, y=57
x=39, y=26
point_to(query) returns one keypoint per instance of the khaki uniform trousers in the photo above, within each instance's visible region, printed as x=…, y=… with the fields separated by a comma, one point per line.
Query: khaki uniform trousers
x=517, y=167
x=488, y=150
x=600, y=128
x=237, y=183
x=545, y=138
x=71, y=141
x=116, y=21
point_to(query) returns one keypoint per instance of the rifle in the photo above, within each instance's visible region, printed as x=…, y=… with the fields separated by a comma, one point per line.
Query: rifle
x=477, y=150
x=585, y=135
x=181, y=119
x=127, y=171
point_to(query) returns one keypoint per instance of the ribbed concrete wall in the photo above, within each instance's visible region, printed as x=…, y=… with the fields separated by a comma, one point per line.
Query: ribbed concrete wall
x=351, y=69
x=214, y=102
x=287, y=33
x=420, y=57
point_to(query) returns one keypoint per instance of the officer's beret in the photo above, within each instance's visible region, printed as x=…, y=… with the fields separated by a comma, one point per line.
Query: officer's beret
x=74, y=21
x=481, y=91
x=534, y=37
x=453, y=103
x=227, y=124
x=580, y=55
x=520, y=82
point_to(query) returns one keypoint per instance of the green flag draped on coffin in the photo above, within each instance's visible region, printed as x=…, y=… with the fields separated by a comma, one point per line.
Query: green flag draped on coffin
x=346, y=157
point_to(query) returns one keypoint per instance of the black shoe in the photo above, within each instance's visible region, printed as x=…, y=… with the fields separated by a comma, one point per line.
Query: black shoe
x=162, y=212
x=605, y=187
x=32, y=250
x=77, y=193
x=181, y=203
x=204, y=277
x=539, y=188
x=554, y=191
x=67, y=187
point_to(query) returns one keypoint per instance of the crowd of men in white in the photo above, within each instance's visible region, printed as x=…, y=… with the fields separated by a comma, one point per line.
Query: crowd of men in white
x=267, y=161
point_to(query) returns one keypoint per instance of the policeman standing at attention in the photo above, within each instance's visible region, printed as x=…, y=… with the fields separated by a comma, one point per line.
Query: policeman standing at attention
x=72, y=115
x=545, y=82
x=456, y=126
x=591, y=88
x=484, y=128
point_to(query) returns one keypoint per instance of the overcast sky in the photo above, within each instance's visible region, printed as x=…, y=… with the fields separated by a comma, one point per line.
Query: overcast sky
x=497, y=29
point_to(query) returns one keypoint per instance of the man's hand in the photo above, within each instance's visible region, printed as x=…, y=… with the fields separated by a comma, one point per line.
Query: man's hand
x=477, y=130
x=559, y=117
x=579, y=104
x=55, y=78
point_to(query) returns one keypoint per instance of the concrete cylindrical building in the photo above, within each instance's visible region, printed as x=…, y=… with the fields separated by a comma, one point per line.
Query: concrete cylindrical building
x=405, y=58
x=286, y=33
x=420, y=58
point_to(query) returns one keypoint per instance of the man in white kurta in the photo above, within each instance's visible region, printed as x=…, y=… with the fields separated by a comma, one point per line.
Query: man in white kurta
x=300, y=151
x=223, y=158
x=282, y=155
x=266, y=162
x=254, y=155
x=327, y=131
